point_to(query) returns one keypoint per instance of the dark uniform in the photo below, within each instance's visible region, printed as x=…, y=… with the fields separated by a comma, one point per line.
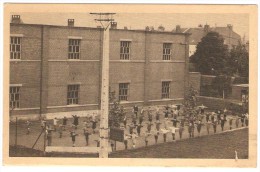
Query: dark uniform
x=135, y=110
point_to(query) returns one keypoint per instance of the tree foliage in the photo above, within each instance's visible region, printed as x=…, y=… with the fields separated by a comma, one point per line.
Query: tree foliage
x=116, y=112
x=239, y=60
x=223, y=84
x=211, y=54
x=190, y=100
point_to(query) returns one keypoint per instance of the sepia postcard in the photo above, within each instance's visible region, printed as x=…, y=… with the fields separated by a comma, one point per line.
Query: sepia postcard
x=130, y=85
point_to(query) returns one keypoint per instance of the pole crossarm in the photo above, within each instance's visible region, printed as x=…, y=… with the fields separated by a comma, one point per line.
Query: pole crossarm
x=107, y=20
x=104, y=18
x=102, y=13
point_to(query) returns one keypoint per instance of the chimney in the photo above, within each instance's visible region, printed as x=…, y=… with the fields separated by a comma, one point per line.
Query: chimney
x=178, y=29
x=125, y=28
x=113, y=25
x=161, y=28
x=230, y=26
x=206, y=28
x=147, y=28
x=16, y=19
x=71, y=22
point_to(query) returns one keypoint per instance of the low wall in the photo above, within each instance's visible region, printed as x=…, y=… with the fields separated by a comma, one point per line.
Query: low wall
x=216, y=103
x=195, y=80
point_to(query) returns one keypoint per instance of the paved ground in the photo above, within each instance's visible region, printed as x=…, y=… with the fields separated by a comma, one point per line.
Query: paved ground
x=218, y=146
x=29, y=140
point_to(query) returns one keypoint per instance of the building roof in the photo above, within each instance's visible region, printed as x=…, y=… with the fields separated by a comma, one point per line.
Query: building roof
x=199, y=32
x=96, y=28
x=226, y=32
x=241, y=85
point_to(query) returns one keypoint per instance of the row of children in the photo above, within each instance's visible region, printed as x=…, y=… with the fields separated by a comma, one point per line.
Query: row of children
x=193, y=122
x=89, y=126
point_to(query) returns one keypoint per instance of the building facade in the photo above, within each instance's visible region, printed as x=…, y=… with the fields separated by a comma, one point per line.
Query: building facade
x=57, y=69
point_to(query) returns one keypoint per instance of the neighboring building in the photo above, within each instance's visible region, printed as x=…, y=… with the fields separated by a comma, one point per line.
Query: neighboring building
x=57, y=69
x=231, y=38
x=240, y=92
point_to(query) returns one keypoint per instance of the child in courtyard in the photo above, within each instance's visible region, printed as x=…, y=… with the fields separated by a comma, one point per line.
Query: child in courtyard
x=222, y=122
x=55, y=123
x=150, y=116
x=157, y=125
x=125, y=121
x=243, y=119
x=156, y=135
x=73, y=136
x=94, y=125
x=131, y=128
x=146, y=135
x=28, y=125
x=230, y=121
x=237, y=121
x=126, y=137
x=133, y=137
x=157, y=116
x=164, y=131
x=75, y=121
x=138, y=129
x=246, y=119
x=173, y=130
x=43, y=122
x=214, y=124
x=49, y=135
x=60, y=130
x=191, y=130
x=64, y=122
x=174, y=120
x=149, y=126
x=181, y=129
x=86, y=133
x=199, y=125
x=208, y=124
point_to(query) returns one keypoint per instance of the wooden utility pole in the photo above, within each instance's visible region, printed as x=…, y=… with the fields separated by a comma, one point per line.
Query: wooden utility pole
x=105, y=19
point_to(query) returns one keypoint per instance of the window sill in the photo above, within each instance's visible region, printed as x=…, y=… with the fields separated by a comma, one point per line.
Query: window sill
x=15, y=60
x=124, y=102
x=128, y=61
x=73, y=105
x=167, y=61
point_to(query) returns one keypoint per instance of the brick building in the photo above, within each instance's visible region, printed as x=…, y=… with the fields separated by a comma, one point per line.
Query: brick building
x=57, y=69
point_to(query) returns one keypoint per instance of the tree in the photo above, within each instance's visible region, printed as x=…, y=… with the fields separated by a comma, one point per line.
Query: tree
x=190, y=101
x=116, y=112
x=211, y=55
x=239, y=60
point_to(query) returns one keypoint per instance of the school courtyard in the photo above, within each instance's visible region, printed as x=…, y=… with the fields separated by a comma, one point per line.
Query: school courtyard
x=207, y=146
x=218, y=146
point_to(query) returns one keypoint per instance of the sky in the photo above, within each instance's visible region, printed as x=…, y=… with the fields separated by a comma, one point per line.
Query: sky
x=240, y=22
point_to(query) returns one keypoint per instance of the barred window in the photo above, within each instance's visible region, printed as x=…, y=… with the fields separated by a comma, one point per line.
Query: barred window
x=125, y=50
x=15, y=48
x=74, y=48
x=14, y=97
x=123, y=91
x=167, y=51
x=166, y=89
x=73, y=94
